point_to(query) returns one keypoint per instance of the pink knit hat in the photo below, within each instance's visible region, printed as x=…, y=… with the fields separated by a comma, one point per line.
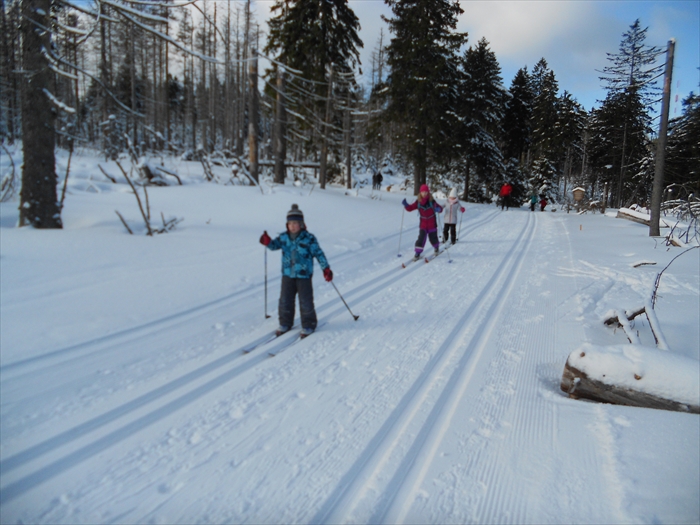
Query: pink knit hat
x=424, y=187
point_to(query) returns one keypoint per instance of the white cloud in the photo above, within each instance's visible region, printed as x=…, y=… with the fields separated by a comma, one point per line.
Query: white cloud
x=516, y=28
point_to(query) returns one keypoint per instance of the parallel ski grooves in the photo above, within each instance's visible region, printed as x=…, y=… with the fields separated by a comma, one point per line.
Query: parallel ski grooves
x=353, y=486
x=66, y=438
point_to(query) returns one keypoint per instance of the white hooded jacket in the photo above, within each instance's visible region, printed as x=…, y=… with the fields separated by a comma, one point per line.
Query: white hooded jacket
x=451, y=208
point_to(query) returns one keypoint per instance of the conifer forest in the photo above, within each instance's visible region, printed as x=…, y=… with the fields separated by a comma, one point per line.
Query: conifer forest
x=206, y=81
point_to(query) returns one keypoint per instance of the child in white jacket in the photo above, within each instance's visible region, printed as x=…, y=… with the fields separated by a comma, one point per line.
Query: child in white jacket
x=452, y=206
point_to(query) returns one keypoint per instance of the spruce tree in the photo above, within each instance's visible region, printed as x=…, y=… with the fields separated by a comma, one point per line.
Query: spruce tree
x=318, y=43
x=310, y=35
x=424, y=72
x=630, y=81
x=482, y=106
x=544, y=112
x=572, y=120
x=683, y=147
x=619, y=142
x=517, y=119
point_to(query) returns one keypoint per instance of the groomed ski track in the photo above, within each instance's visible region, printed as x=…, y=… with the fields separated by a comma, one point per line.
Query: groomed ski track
x=475, y=381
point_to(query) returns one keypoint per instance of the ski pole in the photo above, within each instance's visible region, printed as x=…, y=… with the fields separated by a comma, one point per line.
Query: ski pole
x=401, y=231
x=460, y=225
x=447, y=244
x=266, y=316
x=356, y=317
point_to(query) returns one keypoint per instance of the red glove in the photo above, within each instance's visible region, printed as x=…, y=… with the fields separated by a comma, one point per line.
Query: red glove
x=462, y=209
x=265, y=238
x=328, y=274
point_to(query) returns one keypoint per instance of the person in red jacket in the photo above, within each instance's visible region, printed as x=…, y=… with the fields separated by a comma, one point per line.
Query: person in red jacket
x=504, y=194
x=427, y=210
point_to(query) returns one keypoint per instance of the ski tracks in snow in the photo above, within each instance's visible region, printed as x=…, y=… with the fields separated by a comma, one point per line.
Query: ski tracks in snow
x=460, y=352
x=487, y=386
x=42, y=460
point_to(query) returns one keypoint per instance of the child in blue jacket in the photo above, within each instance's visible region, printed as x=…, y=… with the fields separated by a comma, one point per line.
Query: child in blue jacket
x=299, y=247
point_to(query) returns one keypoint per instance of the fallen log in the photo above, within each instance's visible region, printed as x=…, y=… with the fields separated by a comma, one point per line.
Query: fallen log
x=633, y=376
x=623, y=213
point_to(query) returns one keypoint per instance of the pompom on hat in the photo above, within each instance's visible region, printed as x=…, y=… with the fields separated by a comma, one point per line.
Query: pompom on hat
x=424, y=187
x=295, y=214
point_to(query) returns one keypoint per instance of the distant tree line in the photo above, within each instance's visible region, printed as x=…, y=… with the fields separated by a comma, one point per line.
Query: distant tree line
x=180, y=76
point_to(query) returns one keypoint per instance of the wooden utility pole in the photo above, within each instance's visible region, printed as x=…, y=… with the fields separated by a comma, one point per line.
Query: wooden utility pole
x=658, y=187
x=253, y=125
x=280, y=129
x=324, y=140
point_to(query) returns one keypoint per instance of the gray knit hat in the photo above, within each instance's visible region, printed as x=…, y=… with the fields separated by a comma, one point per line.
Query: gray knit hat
x=295, y=214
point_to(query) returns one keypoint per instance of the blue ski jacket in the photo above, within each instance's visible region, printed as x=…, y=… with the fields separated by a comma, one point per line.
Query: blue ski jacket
x=298, y=254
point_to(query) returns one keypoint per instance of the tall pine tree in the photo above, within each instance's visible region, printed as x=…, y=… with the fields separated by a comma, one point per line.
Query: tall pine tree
x=482, y=103
x=630, y=81
x=424, y=72
x=310, y=35
x=544, y=128
x=317, y=41
x=517, y=120
x=683, y=147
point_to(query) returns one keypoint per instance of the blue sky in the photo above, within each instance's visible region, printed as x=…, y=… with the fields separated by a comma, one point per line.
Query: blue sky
x=572, y=35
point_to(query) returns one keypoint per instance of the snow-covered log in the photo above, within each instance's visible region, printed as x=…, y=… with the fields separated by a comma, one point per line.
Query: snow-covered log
x=633, y=375
x=639, y=216
x=630, y=215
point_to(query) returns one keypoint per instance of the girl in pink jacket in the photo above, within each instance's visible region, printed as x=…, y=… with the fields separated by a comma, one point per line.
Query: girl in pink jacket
x=427, y=210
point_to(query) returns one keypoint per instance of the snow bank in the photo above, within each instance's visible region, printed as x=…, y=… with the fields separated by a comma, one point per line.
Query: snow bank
x=649, y=370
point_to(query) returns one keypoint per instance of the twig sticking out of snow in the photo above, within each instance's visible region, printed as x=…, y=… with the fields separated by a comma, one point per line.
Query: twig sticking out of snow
x=623, y=321
x=138, y=199
x=627, y=327
x=124, y=222
x=658, y=277
x=107, y=174
x=655, y=327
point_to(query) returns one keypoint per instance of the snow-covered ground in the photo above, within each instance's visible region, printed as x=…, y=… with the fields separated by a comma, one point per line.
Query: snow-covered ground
x=126, y=395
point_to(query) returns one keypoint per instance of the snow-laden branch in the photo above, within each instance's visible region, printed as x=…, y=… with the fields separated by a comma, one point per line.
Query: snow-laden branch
x=93, y=14
x=57, y=102
x=124, y=9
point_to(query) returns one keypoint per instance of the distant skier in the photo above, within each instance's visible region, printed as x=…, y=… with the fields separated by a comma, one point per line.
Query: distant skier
x=377, y=179
x=543, y=203
x=452, y=206
x=504, y=194
x=427, y=209
x=533, y=201
x=299, y=247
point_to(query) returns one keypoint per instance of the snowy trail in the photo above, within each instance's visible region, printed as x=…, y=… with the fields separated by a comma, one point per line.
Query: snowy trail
x=131, y=417
x=441, y=404
x=374, y=460
x=133, y=336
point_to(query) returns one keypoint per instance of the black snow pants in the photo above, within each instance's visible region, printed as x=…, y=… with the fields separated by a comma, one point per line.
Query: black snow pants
x=449, y=230
x=290, y=288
